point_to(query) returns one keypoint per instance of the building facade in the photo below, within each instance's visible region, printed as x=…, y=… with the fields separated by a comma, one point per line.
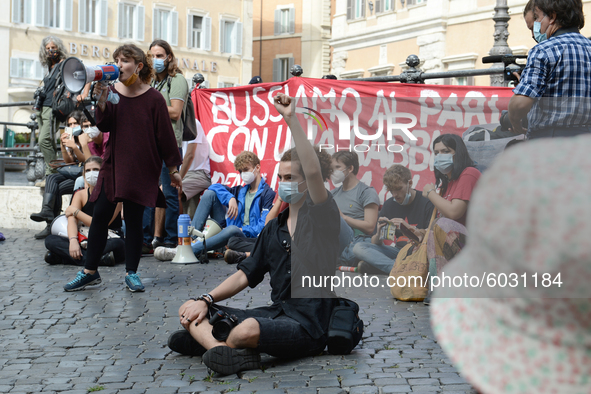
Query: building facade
x=211, y=38
x=288, y=32
x=374, y=38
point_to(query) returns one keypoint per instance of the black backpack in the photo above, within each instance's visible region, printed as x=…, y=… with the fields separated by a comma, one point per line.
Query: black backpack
x=63, y=103
x=345, y=328
x=187, y=117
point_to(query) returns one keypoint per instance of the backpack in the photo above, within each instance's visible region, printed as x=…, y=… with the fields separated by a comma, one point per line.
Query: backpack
x=345, y=328
x=187, y=117
x=63, y=103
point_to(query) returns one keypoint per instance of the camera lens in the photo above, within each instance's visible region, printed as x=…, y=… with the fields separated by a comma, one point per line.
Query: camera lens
x=221, y=330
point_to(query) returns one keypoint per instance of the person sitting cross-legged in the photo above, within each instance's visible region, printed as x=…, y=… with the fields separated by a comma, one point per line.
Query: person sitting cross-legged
x=247, y=207
x=303, y=236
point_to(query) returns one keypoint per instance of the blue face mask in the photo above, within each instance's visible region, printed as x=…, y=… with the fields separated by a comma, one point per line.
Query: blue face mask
x=407, y=197
x=288, y=191
x=159, y=65
x=444, y=162
x=538, y=35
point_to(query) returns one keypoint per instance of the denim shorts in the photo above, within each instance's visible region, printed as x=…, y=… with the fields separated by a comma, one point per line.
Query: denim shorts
x=281, y=336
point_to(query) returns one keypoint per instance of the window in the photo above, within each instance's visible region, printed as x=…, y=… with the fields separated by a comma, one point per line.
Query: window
x=355, y=9
x=165, y=23
x=25, y=68
x=285, y=21
x=384, y=6
x=225, y=85
x=230, y=37
x=414, y=2
x=281, y=67
x=459, y=81
x=93, y=16
x=199, y=32
x=131, y=21
x=48, y=13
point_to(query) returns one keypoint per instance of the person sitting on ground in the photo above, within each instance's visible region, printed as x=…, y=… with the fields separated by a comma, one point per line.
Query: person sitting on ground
x=62, y=250
x=96, y=145
x=291, y=327
x=247, y=206
x=358, y=204
x=195, y=170
x=406, y=205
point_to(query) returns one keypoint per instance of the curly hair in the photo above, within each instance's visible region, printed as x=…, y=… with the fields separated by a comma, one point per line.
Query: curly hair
x=348, y=159
x=323, y=157
x=396, y=173
x=246, y=159
x=569, y=13
x=146, y=74
x=61, y=48
x=173, y=67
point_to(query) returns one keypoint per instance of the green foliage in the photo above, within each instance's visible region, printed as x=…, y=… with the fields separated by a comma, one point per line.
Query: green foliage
x=95, y=388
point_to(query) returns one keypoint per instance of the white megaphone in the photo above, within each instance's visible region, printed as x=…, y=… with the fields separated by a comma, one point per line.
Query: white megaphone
x=59, y=226
x=210, y=229
x=75, y=74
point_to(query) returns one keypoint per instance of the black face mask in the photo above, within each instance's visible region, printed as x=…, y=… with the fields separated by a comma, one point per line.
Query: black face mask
x=53, y=54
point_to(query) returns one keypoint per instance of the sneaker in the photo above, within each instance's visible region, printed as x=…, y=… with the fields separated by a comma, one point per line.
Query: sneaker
x=41, y=183
x=156, y=243
x=133, y=282
x=365, y=268
x=147, y=249
x=234, y=257
x=182, y=342
x=164, y=254
x=82, y=280
x=228, y=361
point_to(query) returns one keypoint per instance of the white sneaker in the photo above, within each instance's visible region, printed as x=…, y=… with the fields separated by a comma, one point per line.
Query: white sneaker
x=164, y=254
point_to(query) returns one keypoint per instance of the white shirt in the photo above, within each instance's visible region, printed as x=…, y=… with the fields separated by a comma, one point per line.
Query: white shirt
x=201, y=159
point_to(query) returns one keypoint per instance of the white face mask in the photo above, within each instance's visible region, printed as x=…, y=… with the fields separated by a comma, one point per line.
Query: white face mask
x=337, y=176
x=91, y=177
x=248, y=177
x=92, y=132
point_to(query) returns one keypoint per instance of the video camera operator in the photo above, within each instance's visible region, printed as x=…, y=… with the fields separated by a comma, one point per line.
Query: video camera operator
x=558, y=71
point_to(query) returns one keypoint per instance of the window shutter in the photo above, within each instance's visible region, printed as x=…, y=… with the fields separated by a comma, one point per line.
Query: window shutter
x=68, y=10
x=121, y=20
x=222, y=29
x=238, y=36
x=16, y=11
x=27, y=17
x=81, y=16
x=277, y=22
x=38, y=70
x=277, y=70
x=13, y=67
x=174, y=27
x=292, y=20
x=220, y=84
x=291, y=62
x=205, y=84
x=363, y=8
x=104, y=21
x=190, y=43
x=155, y=24
x=206, y=34
x=350, y=9
x=140, y=23
x=39, y=13
x=380, y=6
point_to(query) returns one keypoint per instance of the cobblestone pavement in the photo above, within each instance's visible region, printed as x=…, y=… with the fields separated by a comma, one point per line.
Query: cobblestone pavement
x=57, y=342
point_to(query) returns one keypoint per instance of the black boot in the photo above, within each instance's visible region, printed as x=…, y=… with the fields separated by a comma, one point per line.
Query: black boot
x=46, y=214
x=52, y=258
x=107, y=260
x=44, y=233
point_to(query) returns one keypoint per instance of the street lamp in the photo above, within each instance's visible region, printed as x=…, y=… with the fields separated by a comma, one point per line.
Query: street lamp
x=500, y=47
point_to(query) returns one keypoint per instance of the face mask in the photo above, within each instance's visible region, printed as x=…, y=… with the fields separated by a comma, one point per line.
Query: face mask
x=53, y=54
x=91, y=177
x=159, y=65
x=76, y=131
x=337, y=176
x=538, y=35
x=407, y=197
x=131, y=80
x=247, y=177
x=444, y=162
x=288, y=191
x=92, y=132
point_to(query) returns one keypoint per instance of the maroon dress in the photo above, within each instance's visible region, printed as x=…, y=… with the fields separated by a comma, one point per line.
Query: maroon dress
x=141, y=137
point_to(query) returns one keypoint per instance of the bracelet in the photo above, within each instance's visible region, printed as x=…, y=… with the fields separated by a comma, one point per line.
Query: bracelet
x=429, y=192
x=173, y=172
x=76, y=213
x=209, y=296
x=76, y=238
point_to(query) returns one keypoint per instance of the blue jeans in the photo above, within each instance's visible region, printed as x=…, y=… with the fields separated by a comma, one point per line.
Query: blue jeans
x=380, y=256
x=209, y=205
x=346, y=236
x=219, y=240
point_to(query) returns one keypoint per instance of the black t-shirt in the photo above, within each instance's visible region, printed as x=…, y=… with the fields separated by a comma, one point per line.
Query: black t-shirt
x=417, y=213
x=49, y=84
x=313, y=251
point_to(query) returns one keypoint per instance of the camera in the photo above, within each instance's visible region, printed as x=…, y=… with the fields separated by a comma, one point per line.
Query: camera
x=506, y=123
x=39, y=97
x=222, y=323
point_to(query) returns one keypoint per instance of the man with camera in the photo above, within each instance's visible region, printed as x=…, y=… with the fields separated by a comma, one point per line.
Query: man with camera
x=304, y=235
x=554, y=91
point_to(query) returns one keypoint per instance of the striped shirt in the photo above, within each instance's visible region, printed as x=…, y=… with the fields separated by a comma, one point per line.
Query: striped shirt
x=558, y=75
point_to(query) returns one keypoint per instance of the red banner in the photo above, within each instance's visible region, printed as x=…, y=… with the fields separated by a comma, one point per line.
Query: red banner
x=385, y=123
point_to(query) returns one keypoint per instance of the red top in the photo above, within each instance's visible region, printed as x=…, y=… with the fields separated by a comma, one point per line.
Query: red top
x=462, y=188
x=140, y=138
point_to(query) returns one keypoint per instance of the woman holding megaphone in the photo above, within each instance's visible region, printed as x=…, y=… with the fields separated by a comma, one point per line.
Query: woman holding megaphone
x=141, y=137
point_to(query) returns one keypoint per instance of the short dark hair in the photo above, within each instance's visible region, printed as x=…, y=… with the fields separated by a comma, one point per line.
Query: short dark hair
x=323, y=157
x=462, y=159
x=569, y=13
x=529, y=7
x=349, y=159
